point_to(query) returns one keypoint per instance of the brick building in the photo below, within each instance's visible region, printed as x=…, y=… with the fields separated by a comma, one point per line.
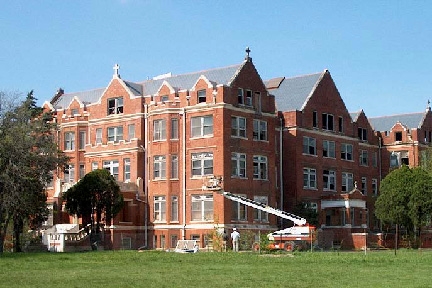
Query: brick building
x=279, y=142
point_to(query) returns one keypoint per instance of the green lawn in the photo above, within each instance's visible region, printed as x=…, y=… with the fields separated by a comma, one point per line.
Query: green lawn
x=163, y=269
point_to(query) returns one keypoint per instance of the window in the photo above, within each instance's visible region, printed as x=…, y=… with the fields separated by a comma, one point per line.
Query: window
x=364, y=185
x=174, y=167
x=159, y=213
x=164, y=98
x=202, y=96
x=329, y=180
x=202, y=208
x=340, y=124
x=69, y=173
x=375, y=187
x=260, y=215
x=69, y=142
x=98, y=136
x=174, y=128
x=315, y=119
x=159, y=167
x=260, y=167
x=174, y=209
x=94, y=166
x=126, y=170
x=313, y=206
x=374, y=159
x=248, y=100
x=113, y=167
x=240, y=96
x=81, y=171
x=327, y=121
x=82, y=139
x=347, y=152
x=329, y=149
x=131, y=132
x=202, y=126
x=238, y=127
x=347, y=181
x=159, y=130
x=174, y=239
x=398, y=136
x=115, y=134
x=362, y=134
x=259, y=130
x=115, y=105
x=309, y=145
x=363, y=157
x=202, y=164
x=74, y=112
x=395, y=159
x=238, y=165
x=239, y=212
x=309, y=178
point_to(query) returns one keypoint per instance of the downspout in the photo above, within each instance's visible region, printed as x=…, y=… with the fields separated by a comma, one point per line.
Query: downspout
x=281, y=167
x=146, y=174
x=184, y=173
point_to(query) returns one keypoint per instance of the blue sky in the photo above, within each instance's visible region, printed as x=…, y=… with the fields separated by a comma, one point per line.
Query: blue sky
x=378, y=52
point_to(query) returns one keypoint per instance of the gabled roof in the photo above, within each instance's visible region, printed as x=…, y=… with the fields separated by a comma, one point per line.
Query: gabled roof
x=385, y=123
x=292, y=93
x=90, y=96
x=355, y=115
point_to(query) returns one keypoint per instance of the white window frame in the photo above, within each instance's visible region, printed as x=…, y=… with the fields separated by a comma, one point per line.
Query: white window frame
x=202, y=164
x=259, y=215
x=201, y=96
x=329, y=180
x=112, y=166
x=260, y=167
x=260, y=130
x=248, y=97
x=159, y=130
x=362, y=133
x=327, y=122
x=82, y=171
x=309, y=146
x=238, y=165
x=98, y=136
x=115, y=134
x=94, y=166
x=131, y=132
x=115, y=105
x=174, y=167
x=238, y=127
x=69, y=141
x=347, y=181
x=159, y=209
x=174, y=217
x=364, y=158
x=82, y=139
x=126, y=170
x=347, y=152
x=240, y=96
x=202, y=126
x=363, y=187
x=202, y=208
x=309, y=178
x=69, y=173
x=159, y=167
x=239, y=210
x=375, y=186
x=174, y=128
x=329, y=149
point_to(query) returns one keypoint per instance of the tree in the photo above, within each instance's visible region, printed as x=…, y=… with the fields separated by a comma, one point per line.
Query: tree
x=304, y=209
x=95, y=195
x=405, y=198
x=28, y=156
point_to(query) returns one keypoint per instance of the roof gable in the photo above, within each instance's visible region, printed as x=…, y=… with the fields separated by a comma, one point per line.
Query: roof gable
x=385, y=123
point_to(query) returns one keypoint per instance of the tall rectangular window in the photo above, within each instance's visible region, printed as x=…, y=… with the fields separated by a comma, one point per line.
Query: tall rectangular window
x=374, y=159
x=239, y=212
x=347, y=181
x=327, y=121
x=69, y=173
x=98, y=136
x=309, y=178
x=159, y=167
x=115, y=134
x=248, y=99
x=260, y=215
x=340, y=124
x=81, y=171
x=174, y=167
x=375, y=187
x=94, y=166
x=238, y=126
x=309, y=145
x=315, y=119
x=364, y=185
x=329, y=149
x=238, y=165
x=113, y=167
x=115, y=105
x=159, y=211
x=346, y=152
x=260, y=167
x=131, y=132
x=69, y=141
x=202, y=96
x=202, y=126
x=159, y=130
x=240, y=96
x=82, y=139
x=202, y=164
x=202, y=208
x=174, y=209
x=259, y=130
x=126, y=170
x=329, y=180
x=174, y=128
x=363, y=158
x=362, y=134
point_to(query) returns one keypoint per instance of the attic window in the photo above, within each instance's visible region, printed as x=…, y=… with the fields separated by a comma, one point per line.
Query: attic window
x=202, y=96
x=115, y=105
x=248, y=100
x=398, y=136
x=362, y=134
x=164, y=98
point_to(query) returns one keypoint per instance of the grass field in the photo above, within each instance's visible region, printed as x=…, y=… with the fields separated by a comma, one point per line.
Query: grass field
x=409, y=268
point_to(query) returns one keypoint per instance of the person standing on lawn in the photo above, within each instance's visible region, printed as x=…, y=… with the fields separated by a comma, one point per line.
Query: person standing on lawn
x=235, y=236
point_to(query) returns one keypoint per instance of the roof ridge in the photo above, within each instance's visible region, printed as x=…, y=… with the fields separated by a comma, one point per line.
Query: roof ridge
x=304, y=75
x=402, y=114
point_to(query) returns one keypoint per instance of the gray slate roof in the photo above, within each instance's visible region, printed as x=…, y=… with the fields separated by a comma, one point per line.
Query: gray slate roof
x=385, y=123
x=224, y=76
x=292, y=93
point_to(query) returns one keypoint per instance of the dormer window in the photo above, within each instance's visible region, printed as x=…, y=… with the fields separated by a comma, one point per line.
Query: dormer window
x=164, y=98
x=327, y=121
x=115, y=105
x=398, y=136
x=248, y=99
x=202, y=96
x=362, y=134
